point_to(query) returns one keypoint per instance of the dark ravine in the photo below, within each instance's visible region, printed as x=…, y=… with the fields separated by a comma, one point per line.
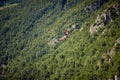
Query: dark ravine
x=95, y=6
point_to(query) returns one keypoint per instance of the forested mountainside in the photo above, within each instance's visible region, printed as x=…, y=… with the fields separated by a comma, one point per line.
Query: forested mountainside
x=60, y=40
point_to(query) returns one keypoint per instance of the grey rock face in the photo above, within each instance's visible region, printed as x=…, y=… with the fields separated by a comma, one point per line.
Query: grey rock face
x=108, y=15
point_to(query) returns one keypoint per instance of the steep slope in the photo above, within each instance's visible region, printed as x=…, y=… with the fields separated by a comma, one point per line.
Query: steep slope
x=60, y=40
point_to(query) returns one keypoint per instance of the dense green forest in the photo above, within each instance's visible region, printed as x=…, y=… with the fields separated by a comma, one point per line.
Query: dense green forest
x=60, y=40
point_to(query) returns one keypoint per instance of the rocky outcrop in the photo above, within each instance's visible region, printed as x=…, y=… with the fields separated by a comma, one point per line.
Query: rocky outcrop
x=115, y=77
x=118, y=40
x=111, y=52
x=107, y=56
x=105, y=17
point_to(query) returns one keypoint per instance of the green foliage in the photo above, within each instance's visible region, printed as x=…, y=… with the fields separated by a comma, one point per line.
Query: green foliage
x=26, y=30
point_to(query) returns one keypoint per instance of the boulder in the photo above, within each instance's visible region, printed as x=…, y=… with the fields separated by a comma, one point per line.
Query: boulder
x=75, y=26
x=3, y=66
x=116, y=77
x=118, y=40
x=116, y=7
x=63, y=38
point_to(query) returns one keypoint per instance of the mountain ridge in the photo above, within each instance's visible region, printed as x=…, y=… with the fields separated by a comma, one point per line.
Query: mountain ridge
x=30, y=48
